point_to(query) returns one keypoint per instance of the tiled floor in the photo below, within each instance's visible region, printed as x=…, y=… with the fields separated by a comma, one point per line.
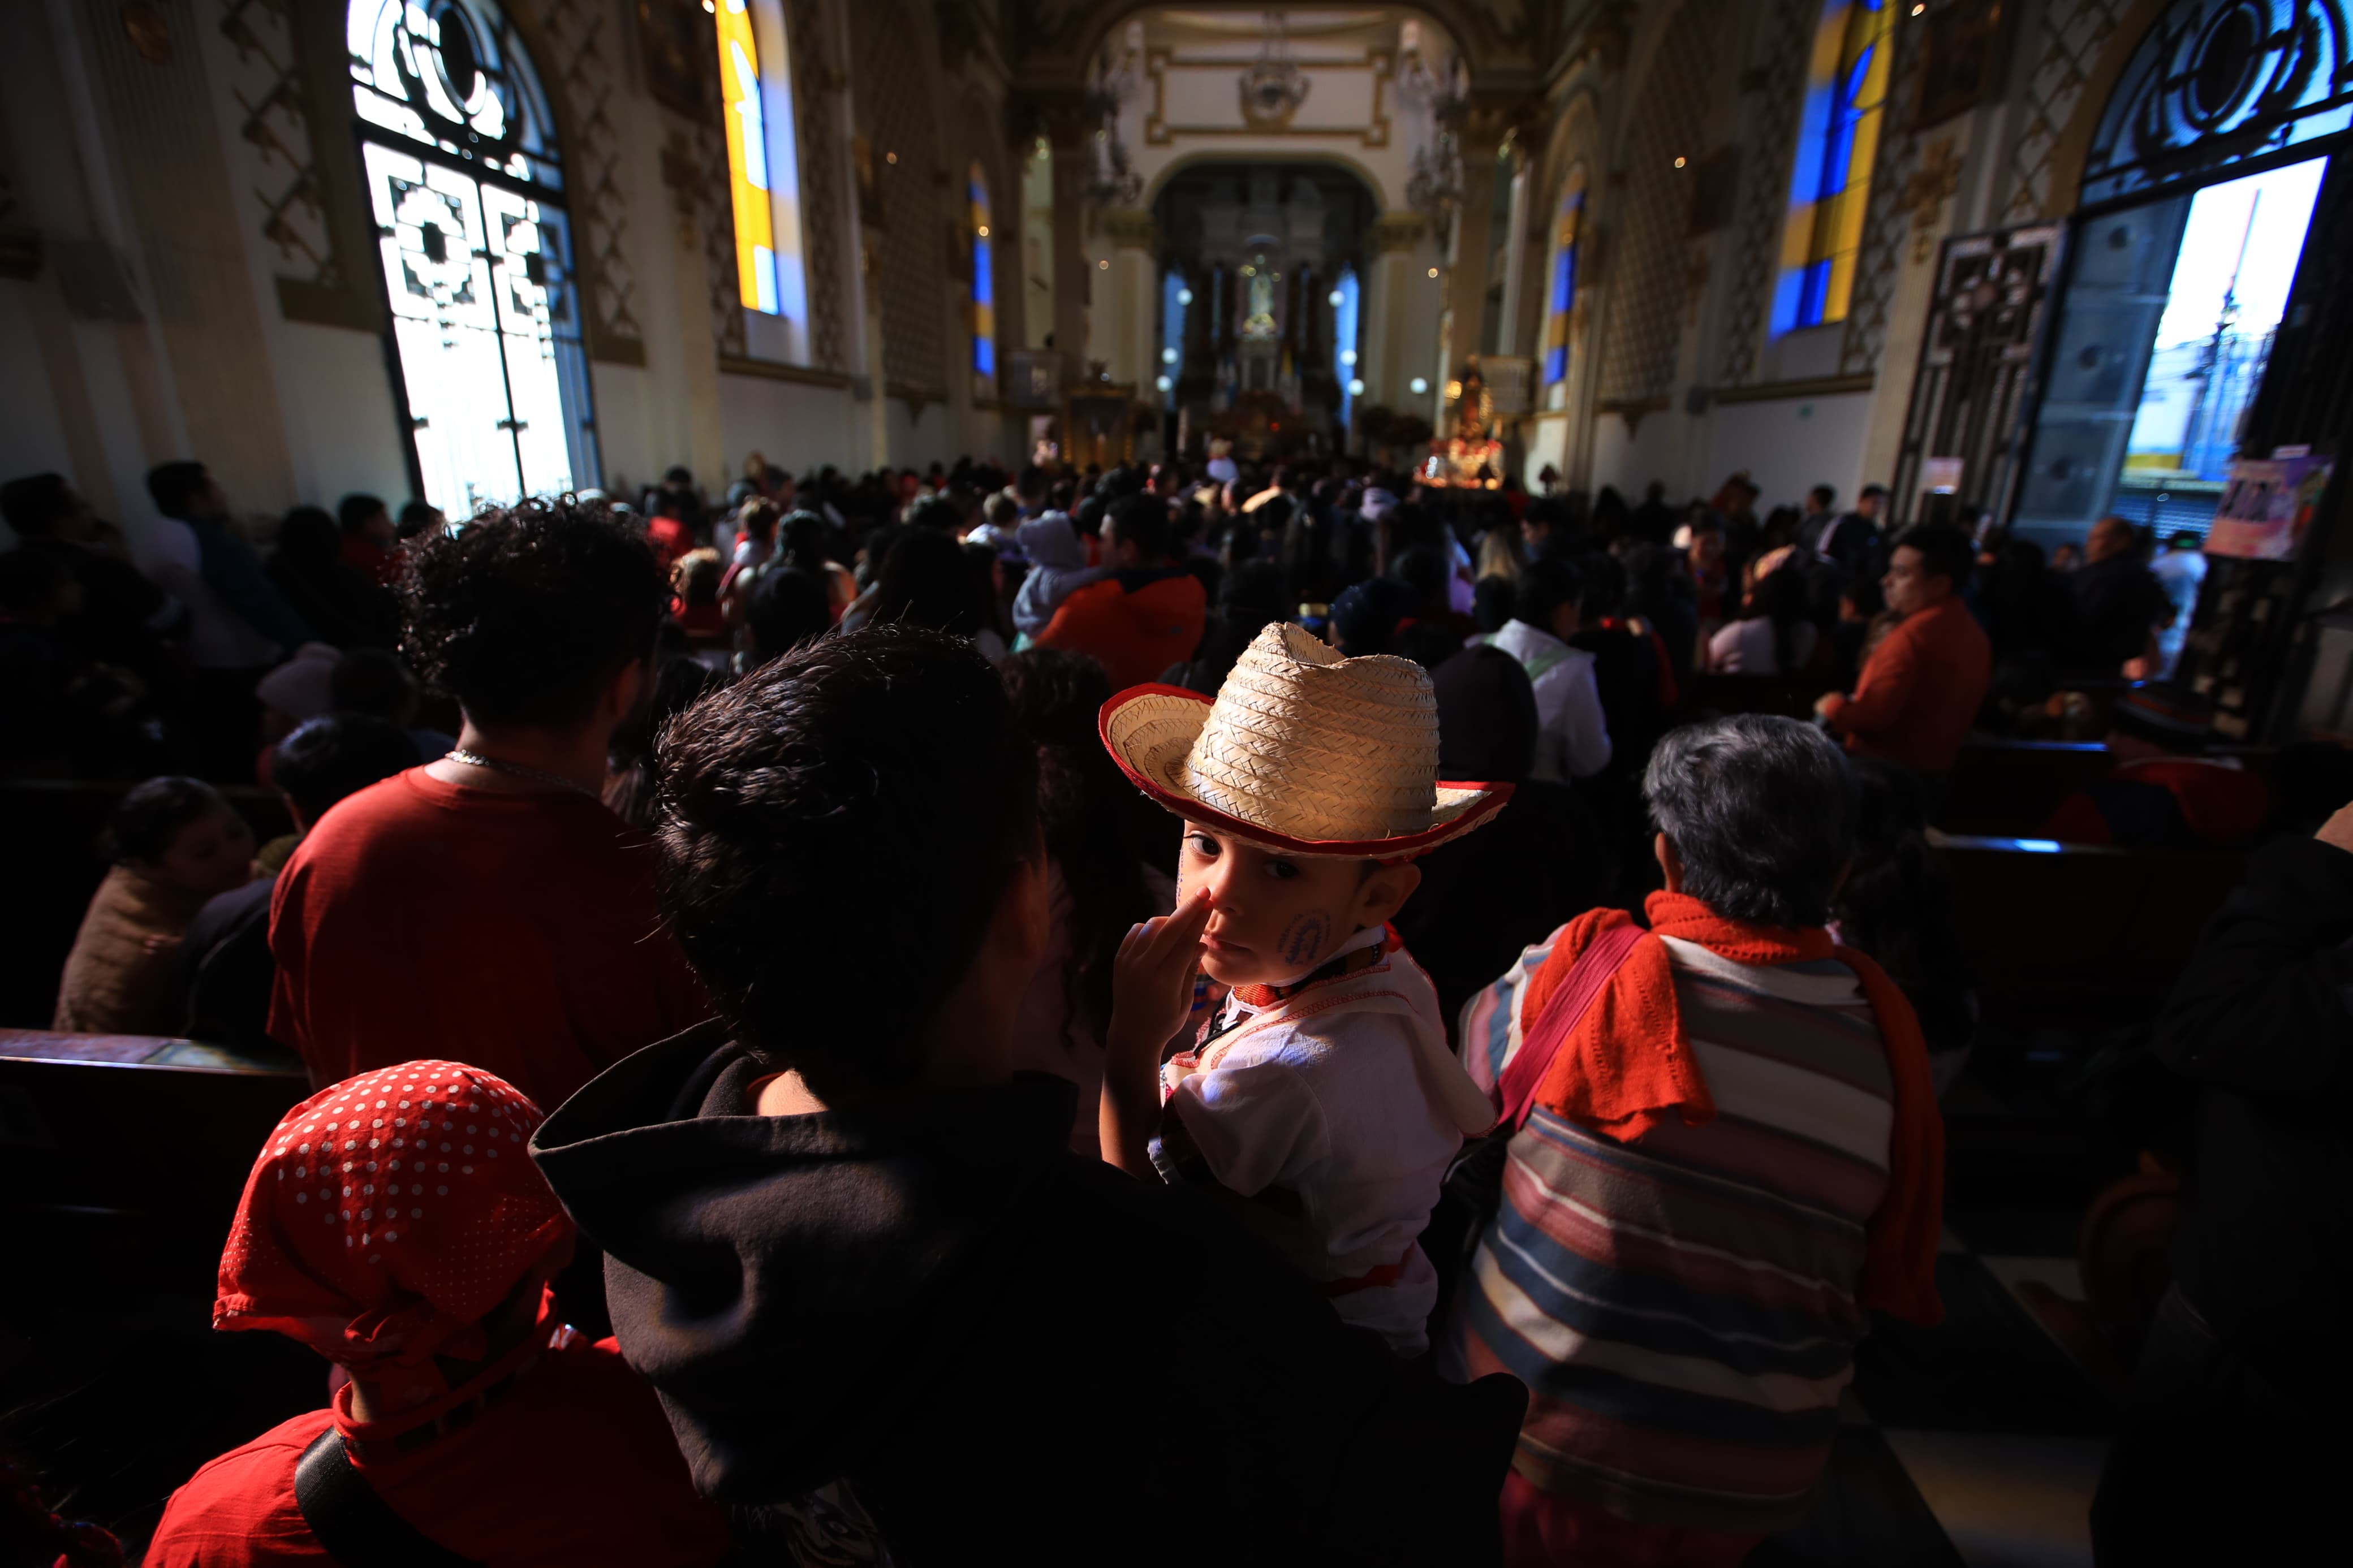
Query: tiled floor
x=1978, y=1441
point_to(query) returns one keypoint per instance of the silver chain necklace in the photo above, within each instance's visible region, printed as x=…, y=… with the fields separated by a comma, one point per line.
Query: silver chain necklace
x=516, y=770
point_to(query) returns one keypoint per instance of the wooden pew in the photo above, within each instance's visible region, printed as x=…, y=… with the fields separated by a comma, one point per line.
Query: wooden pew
x=125, y=1154
x=2002, y=786
x=2079, y=937
x=50, y=864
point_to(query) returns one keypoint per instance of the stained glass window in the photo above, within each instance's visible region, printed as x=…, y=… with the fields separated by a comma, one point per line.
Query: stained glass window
x=747, y=158
x=1837, y=138
x=1560, y=294
x=983, y=281
x=463, y=184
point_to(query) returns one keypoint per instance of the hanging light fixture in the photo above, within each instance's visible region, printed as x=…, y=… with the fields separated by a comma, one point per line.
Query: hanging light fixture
x=1274, y=87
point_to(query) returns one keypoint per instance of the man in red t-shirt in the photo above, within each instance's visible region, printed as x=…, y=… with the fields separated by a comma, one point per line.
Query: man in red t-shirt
x=487, y=908
x=1921, y=687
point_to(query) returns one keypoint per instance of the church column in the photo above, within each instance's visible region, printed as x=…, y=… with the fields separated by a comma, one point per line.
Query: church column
x=1466, y=268
x=1125, y=338
x=1393, y=281
x=1067, y=128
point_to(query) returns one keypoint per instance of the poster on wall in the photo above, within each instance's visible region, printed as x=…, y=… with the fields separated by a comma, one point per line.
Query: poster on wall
x=2267, y=506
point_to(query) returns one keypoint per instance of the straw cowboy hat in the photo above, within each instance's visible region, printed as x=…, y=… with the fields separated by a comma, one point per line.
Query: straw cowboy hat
x=1304, y=752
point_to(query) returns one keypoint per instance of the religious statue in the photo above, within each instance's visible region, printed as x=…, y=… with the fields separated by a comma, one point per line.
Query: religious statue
x=1471, y=457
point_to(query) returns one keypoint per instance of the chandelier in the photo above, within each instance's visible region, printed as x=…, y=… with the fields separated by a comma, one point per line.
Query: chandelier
x=1274, y=87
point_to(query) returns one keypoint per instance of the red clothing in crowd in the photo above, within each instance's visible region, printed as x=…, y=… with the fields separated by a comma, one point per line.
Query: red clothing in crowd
x=575, y=1466
x=2212, y=802
x=1136, y=632
x=671, y=540
x=1919, y=691
x=512, y=931
x=380, y=566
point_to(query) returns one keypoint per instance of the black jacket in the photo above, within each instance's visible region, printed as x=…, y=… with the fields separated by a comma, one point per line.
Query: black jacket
x=1007, y=1352
x=2261, y=1020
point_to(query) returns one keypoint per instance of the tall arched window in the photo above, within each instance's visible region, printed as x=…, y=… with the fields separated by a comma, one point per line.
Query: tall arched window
x=1560, y=287
x=1837, y=138
x=465, y=183
x=984, y=285
x=747, y=158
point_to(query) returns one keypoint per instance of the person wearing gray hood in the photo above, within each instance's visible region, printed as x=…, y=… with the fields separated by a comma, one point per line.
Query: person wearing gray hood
x=887, y=1308
x=1058, y=568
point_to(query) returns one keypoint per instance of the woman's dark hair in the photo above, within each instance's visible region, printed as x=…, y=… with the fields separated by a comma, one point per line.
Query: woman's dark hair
x=1487, y=720
x=36, y=504
x=1543, y=586
x=1491, y=602
x=525, y=613
x=310, y=539
x=927, y=582
x=834, y=833
x=1761, y=810
x=335, y=755
x=805, y=541
x=1082, y=811
x=1425, y=570
x=788, y=606
x=150, y=815
x=1784, y=599
x=680, y=682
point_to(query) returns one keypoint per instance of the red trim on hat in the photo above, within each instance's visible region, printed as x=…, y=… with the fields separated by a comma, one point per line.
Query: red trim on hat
x=1404, y=846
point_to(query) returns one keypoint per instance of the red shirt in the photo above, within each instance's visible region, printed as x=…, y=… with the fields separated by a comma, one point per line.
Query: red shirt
x=1919, y=691
x=670, y=538
x=575, y=1466
x=514, y=932
x=382, y=565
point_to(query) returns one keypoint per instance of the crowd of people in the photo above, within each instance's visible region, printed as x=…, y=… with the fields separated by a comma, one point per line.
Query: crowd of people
x=1087, y=1010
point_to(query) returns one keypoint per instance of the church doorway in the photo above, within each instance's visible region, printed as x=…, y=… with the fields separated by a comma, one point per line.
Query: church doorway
x=2198, y=199
x=465, y=187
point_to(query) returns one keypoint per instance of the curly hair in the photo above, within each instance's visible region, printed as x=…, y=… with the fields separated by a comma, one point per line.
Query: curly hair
x=524, y=614
x=834, y=834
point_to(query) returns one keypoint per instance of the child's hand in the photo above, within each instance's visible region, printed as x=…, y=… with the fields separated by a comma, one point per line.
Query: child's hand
x=1152, y=978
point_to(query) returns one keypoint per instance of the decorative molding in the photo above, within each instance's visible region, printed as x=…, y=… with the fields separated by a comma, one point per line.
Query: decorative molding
x=1789, y=391
x=1400, y=231
x=2075, y=42
x=1650, y=304
x=1783, y=42
x=1633, y=410
x=1924, y=195
x=1128, y=227
x=908, y=275
x=770, y=370
x=577, y=50
x=276, y=157
x=1159, y=131
x=816, y=82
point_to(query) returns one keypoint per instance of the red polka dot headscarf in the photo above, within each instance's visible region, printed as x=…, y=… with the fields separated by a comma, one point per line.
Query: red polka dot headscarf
x=388, y=1215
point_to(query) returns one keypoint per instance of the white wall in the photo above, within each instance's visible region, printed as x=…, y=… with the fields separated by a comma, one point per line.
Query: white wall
x=1788, y=447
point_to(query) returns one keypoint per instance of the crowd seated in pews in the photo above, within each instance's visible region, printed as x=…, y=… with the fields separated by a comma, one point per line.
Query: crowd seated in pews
x=952, y=921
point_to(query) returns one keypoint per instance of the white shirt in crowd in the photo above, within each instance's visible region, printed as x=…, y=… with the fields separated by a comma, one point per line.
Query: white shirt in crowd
x=1572, y=738
x=1746, y=648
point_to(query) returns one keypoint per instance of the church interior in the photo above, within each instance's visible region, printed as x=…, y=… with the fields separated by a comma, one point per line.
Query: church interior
x=1675, y=319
